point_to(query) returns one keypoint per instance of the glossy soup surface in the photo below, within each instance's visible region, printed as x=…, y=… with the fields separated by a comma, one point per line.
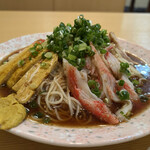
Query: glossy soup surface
x=138, y=108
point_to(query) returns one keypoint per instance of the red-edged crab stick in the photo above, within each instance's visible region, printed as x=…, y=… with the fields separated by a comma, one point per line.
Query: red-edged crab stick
x=77, y=83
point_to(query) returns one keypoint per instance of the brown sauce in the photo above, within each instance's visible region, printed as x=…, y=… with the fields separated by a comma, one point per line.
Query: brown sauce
x=70, y=123
x=4, y=91
x=137, y=108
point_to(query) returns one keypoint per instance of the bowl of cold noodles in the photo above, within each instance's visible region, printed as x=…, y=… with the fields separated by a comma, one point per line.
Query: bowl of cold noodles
x=75, y=86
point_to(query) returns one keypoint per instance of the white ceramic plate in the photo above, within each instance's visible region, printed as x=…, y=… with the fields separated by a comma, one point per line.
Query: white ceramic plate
x=137, y=127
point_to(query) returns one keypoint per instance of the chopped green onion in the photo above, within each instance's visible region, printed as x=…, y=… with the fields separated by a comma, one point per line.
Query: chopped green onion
x=82, y=46
x=30, y=58
x=89, y=49
x=76, y=47
x=92, y=83
x=121, y=82
x=21, y=63
x=138, y=90
x=103, y=51
x=135, y=82
x=33, y=52
x=72, y=42
x=44, y=65
x=46, y=120
x=125, y=115
x=104, y=32
x=35, y=45
x=44, y=44
x=38, y=115
x=122, y=113
x=143, y=98
x=33, y=104
x=76, y=38
x=124, y=65
x=39, y=47
x=124, y=68
x=43, y=55
x=48, y=55
x=68, y=24
x=81, y=62
x=70, y=48
x=94, y=87
x=32, y=49
x=64, y=54
x=123, y=94
x=71, y=57
x=96, y=92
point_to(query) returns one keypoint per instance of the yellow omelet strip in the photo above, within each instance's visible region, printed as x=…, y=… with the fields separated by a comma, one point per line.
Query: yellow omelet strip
x=6, y=70
x=22, y=70
x=27, y=85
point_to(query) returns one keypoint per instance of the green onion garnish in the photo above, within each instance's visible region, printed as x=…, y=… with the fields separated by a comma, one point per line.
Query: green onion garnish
x=127, y=116
x=43, y=55
x=33, y=104
x=103, y=51
x=76, y=47
x=94, y=87
x=38, y=115
x=138, y=90
x=32, y=49
x=73, y=42
x=143, y=98
x=44, y=65
x=39, y=47
x=71, y=57
x=33, y=52
x=121, y=82
x=21, y=63
x=122, y=113
x=123, y=94
x=96, y=92
x=124, y=68
x=82, y=46
x=35, y=45
x=30, y=58
x=46, y=120
x=48, y=55
x=81, y=62
x=92, y=83
x=135, y=82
